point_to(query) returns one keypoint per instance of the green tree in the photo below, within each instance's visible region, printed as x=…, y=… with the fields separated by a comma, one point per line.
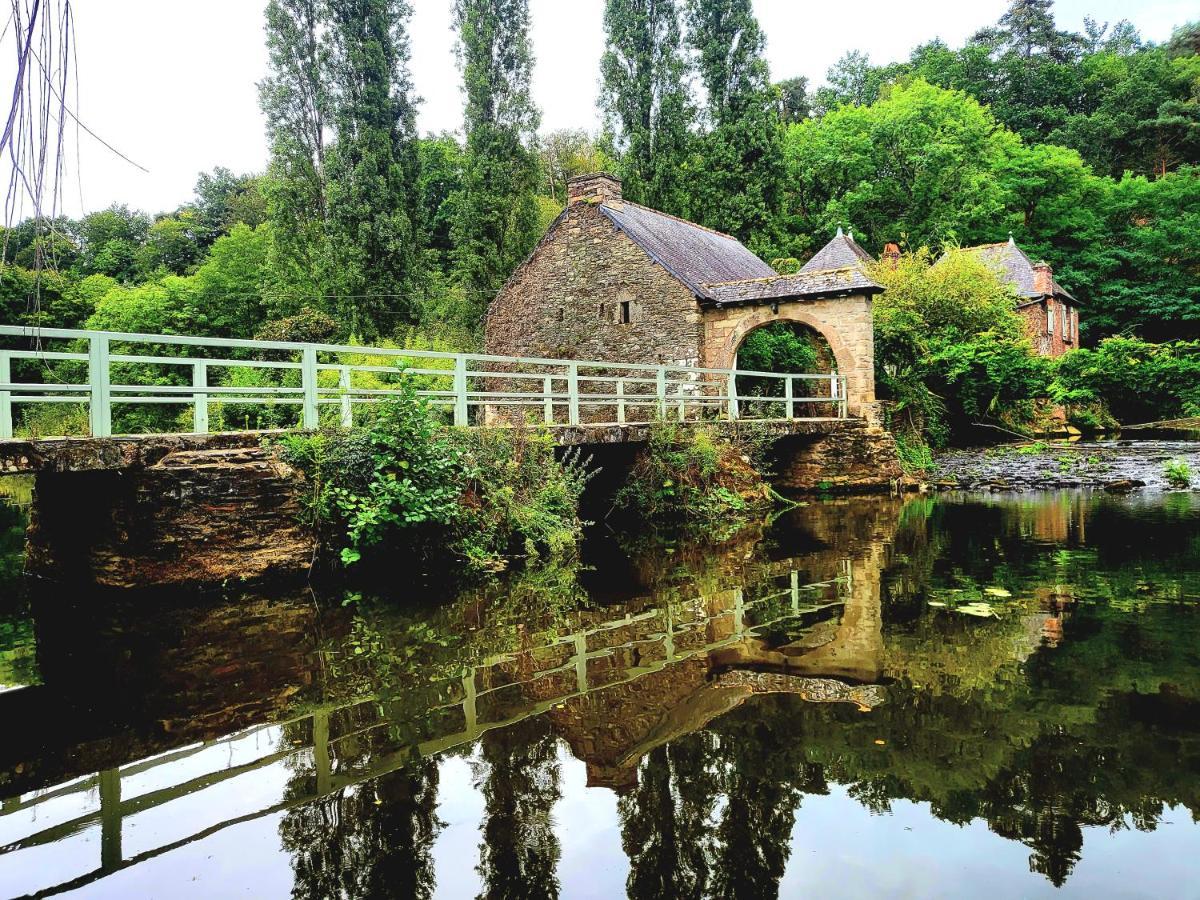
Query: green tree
x=295, y=100
x=496, y=216
x=795, y=103
x=737, y=182
x=566, y=154
x=110, y=241
x=644, y=97
x=174, y=244
x=918, y=165
x=371, y=171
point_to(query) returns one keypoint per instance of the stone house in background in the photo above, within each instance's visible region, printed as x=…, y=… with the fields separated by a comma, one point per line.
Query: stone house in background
x=613, y=281
x=1051, y=314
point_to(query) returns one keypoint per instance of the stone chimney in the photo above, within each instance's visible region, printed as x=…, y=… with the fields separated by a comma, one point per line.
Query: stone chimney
x=1043, y=279
x=594, y=188
x=891, y=254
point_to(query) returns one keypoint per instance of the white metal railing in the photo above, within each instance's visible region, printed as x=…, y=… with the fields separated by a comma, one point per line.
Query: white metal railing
x=196, y=372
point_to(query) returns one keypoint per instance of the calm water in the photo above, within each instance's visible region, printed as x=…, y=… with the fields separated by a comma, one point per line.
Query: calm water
x=953, y=697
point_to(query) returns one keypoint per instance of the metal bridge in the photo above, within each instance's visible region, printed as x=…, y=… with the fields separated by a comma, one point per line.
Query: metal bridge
x=218, y=379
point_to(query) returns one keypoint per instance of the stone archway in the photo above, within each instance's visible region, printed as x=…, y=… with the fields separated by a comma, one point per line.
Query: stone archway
x=845, y=323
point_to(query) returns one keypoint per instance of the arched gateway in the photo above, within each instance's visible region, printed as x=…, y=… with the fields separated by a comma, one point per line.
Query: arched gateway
x=614, y=281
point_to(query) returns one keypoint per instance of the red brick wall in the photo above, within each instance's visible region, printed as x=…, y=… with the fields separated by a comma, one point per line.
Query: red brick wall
x=1047, y=344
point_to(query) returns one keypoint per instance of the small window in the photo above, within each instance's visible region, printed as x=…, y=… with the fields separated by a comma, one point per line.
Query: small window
x=603, y=312
x=1049, y=318
x=1066, y=323
x=562, y=314
x=626, y=312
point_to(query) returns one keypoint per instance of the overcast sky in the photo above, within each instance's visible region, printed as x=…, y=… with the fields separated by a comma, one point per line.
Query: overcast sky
x=172, y=84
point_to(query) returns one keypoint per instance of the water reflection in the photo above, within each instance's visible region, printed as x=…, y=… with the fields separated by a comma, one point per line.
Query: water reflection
x=679, y=721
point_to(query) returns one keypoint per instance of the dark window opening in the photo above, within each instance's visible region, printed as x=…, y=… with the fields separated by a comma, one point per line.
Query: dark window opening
x=626, y=312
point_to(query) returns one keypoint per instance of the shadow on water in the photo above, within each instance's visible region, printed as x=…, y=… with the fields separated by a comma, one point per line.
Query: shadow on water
x=667, y=720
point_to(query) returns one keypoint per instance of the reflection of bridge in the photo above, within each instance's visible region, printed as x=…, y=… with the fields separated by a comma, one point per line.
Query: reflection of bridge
x=608, y=674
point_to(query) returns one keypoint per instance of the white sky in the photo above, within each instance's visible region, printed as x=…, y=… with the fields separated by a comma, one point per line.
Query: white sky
x=172, y=83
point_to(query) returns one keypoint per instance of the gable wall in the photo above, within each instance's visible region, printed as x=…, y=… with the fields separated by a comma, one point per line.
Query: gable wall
x=564, y=302
x=1053, y=345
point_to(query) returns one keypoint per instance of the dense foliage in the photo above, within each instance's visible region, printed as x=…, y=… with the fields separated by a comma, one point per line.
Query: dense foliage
x=1085, y=147
x=697, y=477
x=404, y=482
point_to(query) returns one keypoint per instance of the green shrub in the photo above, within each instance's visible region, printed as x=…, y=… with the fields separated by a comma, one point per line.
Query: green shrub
x=1137, y=381
x=404, y=481
x=1178, y=474
x=694, y=475
x=915, y=456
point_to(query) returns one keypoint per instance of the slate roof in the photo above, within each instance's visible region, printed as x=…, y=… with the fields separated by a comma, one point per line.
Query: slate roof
x=695, y=255
x=830, y=282
x=842, y=252
x=1015, y=268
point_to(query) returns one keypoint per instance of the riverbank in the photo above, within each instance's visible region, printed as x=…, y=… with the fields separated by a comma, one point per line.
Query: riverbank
x=1117, y=465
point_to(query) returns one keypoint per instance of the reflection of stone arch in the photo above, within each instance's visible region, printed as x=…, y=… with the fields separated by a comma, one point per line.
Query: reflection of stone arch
x=753, y=320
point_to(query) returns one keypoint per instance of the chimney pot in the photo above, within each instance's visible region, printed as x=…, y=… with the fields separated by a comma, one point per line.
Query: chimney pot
x=1043, y=278
x=598, y=187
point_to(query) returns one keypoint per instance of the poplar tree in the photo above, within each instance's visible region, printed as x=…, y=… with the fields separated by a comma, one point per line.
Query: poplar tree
x=739, y=176
x=644, y=98
x=496, y=216
x=372, y=169
x=295, y=103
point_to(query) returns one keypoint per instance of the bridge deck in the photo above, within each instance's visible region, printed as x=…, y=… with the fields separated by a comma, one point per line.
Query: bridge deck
x=134, y=452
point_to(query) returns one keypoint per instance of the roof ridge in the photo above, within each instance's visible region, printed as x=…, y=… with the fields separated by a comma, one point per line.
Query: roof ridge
x=766, y=278
x=666, y=215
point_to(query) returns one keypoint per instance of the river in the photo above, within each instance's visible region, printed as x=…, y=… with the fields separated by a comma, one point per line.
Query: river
x=942, y=697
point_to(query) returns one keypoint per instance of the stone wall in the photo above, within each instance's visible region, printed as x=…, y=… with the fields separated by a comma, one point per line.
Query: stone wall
x=845, y=322
x=849, y=457
x=204, y=517
x=565, y=301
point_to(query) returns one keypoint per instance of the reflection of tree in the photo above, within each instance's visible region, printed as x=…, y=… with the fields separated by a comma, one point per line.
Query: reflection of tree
x=518, y=773
x=755, y=829
x=372, y=840
x=666, y=827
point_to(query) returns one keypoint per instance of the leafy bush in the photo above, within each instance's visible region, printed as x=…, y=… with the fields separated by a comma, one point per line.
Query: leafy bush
x=915, y=456
x=1137, y=381
x=405, y=481
x=950, y=348
x=694, y=475
x=1178, y=474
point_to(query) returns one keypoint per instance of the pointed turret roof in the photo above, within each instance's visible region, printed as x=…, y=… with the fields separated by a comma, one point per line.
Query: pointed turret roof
x=843, y=252
x=1015, y=268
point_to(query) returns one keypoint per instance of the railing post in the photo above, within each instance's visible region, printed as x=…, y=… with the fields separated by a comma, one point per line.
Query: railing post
x=789, y=396
x=548, y=398
x=733, y=397
x=661, y=388
x=6, y=419
x=573, y=392
x=99, y=384
x=200, y=397
x=620, y=401
x=845, y=397
x=460, y=391
x=308, y=380
x=682, y=401
x=833, y=394
x=344, y=385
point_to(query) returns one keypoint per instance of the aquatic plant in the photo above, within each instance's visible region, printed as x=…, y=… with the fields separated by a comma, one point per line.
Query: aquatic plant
x=1178, y=474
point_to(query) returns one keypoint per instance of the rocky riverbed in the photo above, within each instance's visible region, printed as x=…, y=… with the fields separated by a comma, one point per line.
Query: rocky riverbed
x=1116, y=466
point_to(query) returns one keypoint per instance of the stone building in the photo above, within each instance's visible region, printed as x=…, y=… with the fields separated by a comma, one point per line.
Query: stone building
x=1051, y=314
x=613, y=281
